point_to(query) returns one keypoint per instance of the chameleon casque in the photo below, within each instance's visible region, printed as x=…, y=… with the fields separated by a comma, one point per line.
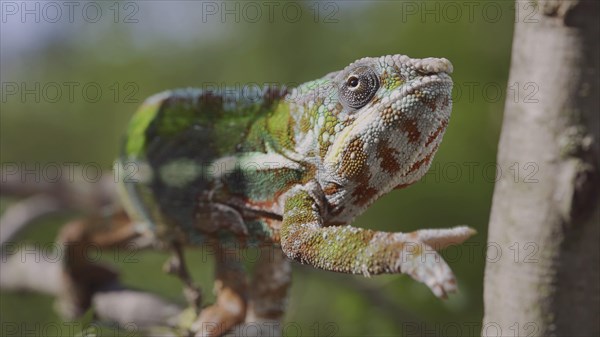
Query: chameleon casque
x=288, y=170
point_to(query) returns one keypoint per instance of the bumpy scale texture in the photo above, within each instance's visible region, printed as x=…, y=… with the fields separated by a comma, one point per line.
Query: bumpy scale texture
x=293, y=167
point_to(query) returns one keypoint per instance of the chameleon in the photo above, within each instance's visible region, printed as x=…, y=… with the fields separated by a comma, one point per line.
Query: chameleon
x=288, y=170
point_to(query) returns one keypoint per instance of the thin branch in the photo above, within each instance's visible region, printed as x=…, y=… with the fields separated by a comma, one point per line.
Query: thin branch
x=26, y=271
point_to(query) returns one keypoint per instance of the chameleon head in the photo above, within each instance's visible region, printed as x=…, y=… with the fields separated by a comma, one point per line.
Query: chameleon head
x=392, y=112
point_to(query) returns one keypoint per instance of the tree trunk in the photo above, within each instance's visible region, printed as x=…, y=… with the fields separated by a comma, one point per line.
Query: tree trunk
x=542, y=276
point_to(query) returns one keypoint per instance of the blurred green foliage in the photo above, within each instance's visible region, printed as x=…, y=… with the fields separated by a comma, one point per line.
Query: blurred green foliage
x=228, y=52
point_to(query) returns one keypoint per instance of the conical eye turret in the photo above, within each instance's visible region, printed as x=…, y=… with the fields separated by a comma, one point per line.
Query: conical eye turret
x=359, y=87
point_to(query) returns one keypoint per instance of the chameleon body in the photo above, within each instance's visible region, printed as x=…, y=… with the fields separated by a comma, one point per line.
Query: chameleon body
x=293, y=167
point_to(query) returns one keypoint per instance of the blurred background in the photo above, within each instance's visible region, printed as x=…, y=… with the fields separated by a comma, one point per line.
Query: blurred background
x=73, y=73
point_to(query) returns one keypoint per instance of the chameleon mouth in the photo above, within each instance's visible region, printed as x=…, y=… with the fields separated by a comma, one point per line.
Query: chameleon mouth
x=434, y=85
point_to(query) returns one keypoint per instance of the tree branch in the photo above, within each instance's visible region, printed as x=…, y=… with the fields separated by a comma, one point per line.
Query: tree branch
x=547, y=282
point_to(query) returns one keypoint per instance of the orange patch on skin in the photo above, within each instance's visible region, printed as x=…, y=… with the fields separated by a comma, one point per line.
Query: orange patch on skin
x=437, y=132
x=386, y=153
x=388, y=115
x=353, y=160
x=417, y=165
x=410, y=126
x=331, y=189
x=363, y=194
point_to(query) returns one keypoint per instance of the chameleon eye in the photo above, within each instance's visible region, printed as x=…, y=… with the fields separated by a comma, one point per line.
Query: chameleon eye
x=359, y=87
x=352, y=81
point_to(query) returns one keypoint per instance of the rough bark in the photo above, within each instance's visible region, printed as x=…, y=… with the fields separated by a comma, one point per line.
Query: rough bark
x=40, y=198
x=543, y=276
x=128, y=308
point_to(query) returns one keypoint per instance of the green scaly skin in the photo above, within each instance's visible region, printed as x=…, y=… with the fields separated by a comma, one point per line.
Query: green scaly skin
x=293, y=167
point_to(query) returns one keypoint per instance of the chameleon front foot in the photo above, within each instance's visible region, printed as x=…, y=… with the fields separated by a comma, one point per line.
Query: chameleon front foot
x=425, y=265
x=422, y=263
x=420, y=260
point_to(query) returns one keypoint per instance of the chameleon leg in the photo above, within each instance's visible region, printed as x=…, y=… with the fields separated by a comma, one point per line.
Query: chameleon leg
x=176, y=265
x=231, y=290
x=81, y=240
x=269, y=290
x=361, y=251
